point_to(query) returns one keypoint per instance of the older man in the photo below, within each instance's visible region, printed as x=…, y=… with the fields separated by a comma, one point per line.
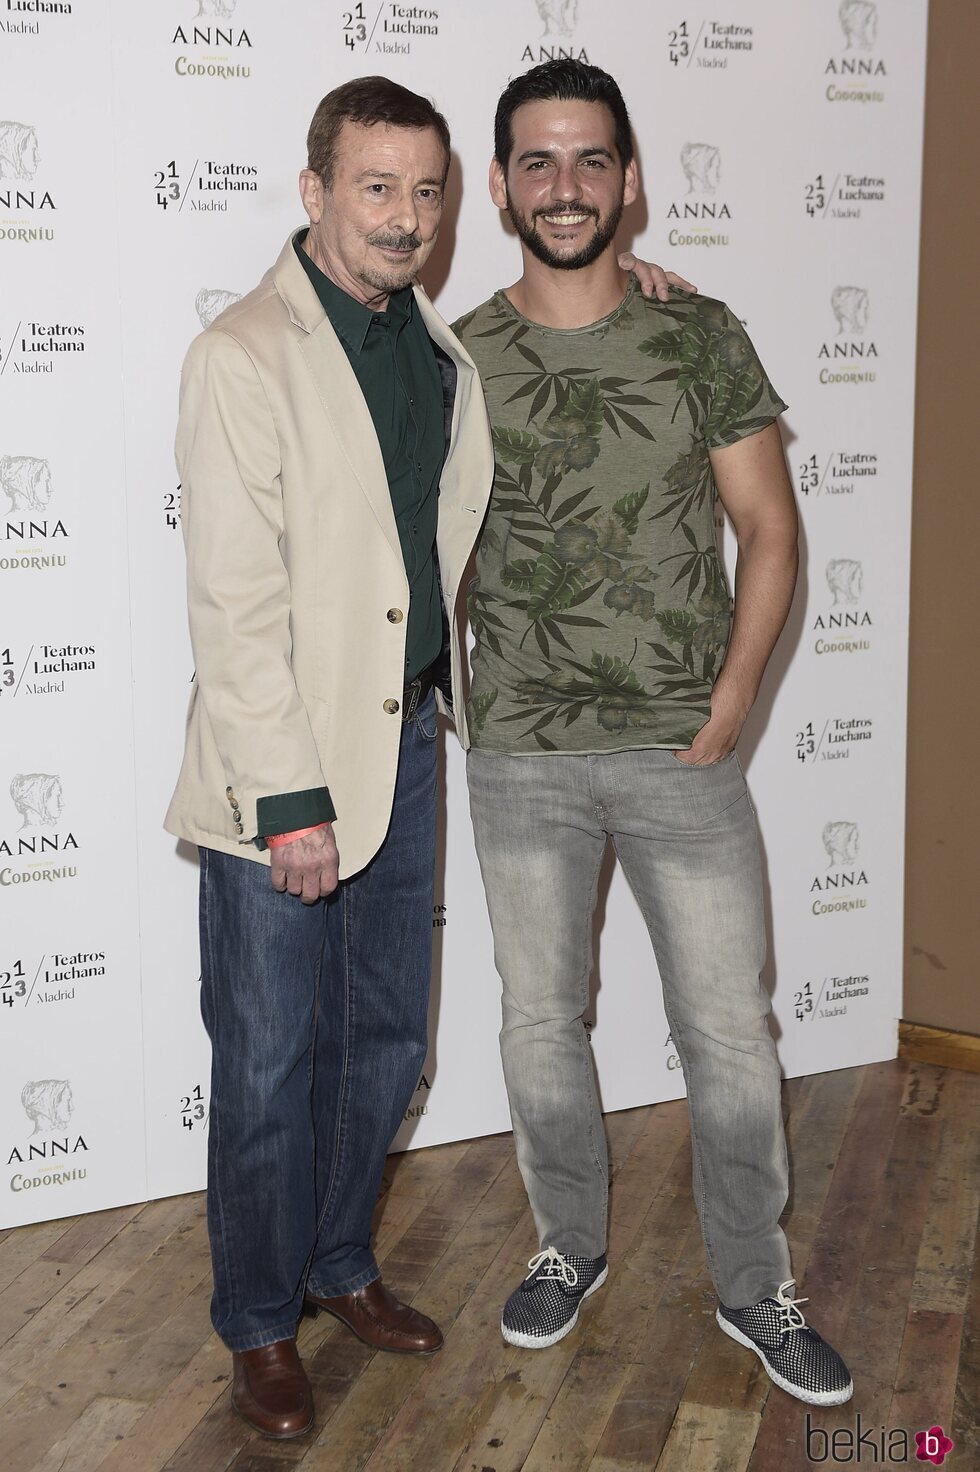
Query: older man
x=336, y=464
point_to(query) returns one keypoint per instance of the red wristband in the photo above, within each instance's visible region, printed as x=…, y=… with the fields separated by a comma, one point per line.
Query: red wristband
x=278, y=839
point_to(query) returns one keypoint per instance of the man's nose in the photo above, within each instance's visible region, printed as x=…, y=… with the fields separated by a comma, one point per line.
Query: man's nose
x=406, y=215
x=566, y=184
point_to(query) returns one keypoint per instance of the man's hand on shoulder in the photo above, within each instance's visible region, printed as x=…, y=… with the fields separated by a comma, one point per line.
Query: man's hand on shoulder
x=307, y=866
x=654, y=280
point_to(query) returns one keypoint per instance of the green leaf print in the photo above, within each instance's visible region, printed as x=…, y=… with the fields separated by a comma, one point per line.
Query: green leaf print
x=585, y=403
x=612, y=674
x=519, y=575
x=553, y=586
x=480, y=707
x=628, y=508
x=678, y=624
x=517, y=446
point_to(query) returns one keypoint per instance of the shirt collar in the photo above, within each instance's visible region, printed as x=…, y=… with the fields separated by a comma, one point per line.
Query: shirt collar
x=351, y=319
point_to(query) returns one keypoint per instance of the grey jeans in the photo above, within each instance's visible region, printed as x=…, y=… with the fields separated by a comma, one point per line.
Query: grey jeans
x=687, y=840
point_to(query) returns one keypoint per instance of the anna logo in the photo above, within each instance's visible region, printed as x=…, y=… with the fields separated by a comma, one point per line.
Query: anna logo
x=19, y=155
x=851, y=309
x=26, y=482
x=211, y=302
x=845, y=578
x=558, y=18
x=849, y=305
x=840, y=840
x=859, y=22
x=39, y=803
x=48, y=1104
x=701, y=163
x=842, y=886
x=37, y=798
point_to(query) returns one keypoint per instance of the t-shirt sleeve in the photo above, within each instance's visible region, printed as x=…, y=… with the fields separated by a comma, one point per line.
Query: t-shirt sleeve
x=740, y=398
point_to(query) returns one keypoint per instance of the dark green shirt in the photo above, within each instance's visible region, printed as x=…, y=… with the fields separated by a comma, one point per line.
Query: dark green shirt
x=395, y=365
x=392, y=356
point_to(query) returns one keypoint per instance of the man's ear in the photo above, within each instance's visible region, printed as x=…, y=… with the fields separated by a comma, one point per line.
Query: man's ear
x=631, y=183
x=498, y=184
x=311, y=193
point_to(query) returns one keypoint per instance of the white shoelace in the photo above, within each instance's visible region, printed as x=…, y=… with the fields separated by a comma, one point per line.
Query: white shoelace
x=791, y=1316
x=555, y=1266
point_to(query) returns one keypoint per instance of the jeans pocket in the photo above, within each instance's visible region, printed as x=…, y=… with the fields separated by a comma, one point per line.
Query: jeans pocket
x=426, y=719
x=703, y=766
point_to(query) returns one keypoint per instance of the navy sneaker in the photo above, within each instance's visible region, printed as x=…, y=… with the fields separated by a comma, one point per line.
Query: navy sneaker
x=795, y=1356
x=544, y=1308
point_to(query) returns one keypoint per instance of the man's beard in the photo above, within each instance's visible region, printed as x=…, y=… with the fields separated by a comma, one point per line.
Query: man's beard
x=391, y=278
x=604, y=235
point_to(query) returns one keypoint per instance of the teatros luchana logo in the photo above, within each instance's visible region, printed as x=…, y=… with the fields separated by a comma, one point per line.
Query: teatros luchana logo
x=857, y=72
x=835, y=740
x=54, y=1153
x=841, y=473
x=844, y=883
x=556, y=39
x=38, y=347
x=212, y=45
x=829, y=997
x=44, y=669
x=852, y=352
x=27, y=208
x=846, y=198
x=32, y=12
x=394, y=29
x=707, y=43
x=32, y=539
x=43, y=849
x=845, y=628
x=205, y=186
x=701, y=216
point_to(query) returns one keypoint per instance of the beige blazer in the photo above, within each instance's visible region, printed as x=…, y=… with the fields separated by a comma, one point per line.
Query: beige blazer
x=293, y=565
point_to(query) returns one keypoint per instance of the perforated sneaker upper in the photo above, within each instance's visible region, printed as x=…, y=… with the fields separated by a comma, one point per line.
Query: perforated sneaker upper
x=790, y=1346
x=551, y=1293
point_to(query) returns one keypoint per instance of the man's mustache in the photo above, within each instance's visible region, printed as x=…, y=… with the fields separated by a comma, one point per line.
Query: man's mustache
x=396, y=242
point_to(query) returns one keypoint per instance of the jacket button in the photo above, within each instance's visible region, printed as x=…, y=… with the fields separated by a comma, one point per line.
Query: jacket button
x=237, y=815
x=239, y=828
x=391, y=707
x=395, y=615
x=229, y=791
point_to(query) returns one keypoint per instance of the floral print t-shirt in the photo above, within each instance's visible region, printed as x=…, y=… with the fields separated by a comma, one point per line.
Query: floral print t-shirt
x=600, y=606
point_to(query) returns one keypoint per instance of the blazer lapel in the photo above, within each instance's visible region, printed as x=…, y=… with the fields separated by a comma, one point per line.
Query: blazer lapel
x=337, y=388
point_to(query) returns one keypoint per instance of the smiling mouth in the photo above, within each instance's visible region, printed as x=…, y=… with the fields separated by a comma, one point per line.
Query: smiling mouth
x=565, y=219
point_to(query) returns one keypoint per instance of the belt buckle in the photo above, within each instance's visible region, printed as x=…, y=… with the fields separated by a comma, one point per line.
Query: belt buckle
x=411, y=698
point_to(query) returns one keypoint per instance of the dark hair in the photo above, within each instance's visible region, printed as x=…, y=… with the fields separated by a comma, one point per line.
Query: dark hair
x=564, y=80
x=367, y=100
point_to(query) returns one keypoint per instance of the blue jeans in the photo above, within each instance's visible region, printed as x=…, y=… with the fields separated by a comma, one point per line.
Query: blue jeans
x=686, y=838
x=317, y=1020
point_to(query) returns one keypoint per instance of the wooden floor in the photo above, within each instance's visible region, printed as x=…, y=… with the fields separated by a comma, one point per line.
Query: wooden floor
x=107, y=1360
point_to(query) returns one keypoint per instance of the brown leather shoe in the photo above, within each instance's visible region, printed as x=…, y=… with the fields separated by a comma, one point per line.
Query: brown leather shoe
x=271, y=1391
x=379, y=1319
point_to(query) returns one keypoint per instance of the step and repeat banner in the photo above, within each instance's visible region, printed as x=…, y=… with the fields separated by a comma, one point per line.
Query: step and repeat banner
x=148, y=163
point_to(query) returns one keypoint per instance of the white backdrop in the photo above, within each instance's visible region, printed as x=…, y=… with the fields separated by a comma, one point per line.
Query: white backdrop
x=148, y=162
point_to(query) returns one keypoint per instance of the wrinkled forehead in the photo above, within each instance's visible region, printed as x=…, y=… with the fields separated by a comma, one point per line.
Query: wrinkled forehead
x=413, y=154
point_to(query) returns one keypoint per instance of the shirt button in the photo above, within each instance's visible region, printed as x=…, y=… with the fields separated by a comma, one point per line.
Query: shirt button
x=394, y=615
x=391, y=707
